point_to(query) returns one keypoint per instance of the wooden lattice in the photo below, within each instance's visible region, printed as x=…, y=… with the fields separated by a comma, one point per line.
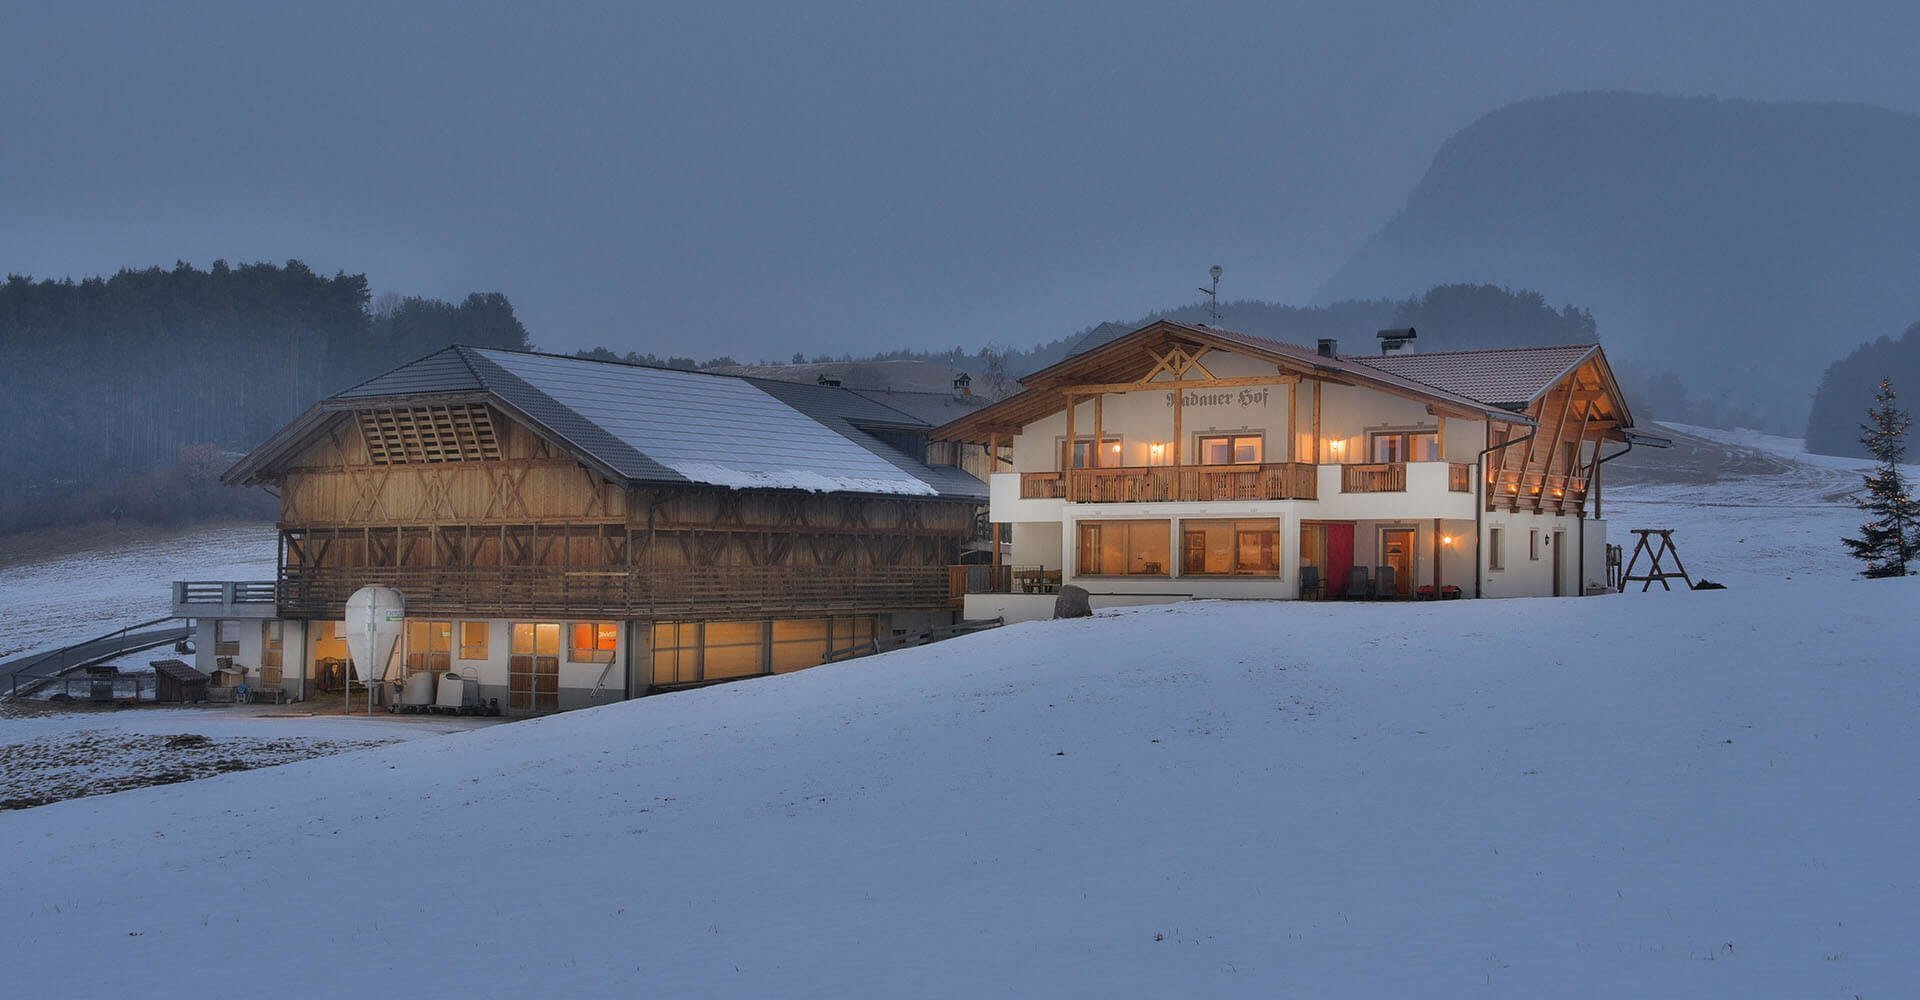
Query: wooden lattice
x=409, y=434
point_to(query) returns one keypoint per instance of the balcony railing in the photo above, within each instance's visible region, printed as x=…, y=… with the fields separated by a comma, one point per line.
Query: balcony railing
x=1042, y=485
x=1460, y=477
x=678, y=592
x=1142, y=484
x=1375, y=477
x=976, y=579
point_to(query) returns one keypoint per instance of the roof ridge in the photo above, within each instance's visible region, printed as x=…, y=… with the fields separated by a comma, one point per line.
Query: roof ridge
x=1583, y=345
x=399, y=367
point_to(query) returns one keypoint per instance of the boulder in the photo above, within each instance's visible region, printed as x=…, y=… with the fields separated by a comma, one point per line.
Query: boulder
x=1073, y=602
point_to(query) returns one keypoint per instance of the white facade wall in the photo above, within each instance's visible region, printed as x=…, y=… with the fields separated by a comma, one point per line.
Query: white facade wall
x=1046, y=531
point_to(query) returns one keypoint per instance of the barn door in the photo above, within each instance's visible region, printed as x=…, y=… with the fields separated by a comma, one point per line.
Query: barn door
x=533, y=668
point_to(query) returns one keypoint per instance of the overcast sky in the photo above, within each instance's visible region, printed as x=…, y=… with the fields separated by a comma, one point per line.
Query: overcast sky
x=700, y=178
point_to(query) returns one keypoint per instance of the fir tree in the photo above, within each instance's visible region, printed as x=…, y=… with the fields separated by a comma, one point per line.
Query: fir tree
x=1891, y=536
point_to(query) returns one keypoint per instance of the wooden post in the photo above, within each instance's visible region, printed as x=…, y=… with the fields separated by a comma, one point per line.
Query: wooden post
x=1316, y=423
x=1436, y=552
x=1177, y=435
x=1067, y=460
x=1293, y=433
x=1099, y=439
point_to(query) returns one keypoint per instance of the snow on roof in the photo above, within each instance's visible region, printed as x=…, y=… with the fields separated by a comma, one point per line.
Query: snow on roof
x=712, y=429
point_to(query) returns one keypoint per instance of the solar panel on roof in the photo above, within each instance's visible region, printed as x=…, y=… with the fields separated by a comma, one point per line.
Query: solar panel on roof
x=715, y=430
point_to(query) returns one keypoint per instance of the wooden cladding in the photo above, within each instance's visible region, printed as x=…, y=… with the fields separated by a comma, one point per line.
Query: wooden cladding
x=1374, y=477
x=402, y=435
x=714, y=592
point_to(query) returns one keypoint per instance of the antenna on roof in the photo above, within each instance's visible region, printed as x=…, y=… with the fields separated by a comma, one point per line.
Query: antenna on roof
x=1213, y=294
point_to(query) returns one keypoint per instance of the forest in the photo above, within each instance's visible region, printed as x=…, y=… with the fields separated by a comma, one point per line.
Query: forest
x=118, y=392
x=1846, y=391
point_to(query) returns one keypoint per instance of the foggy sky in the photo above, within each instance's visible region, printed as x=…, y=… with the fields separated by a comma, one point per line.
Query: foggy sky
x=703, y=178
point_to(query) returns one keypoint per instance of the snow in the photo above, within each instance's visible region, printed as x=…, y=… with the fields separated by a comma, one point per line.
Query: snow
x=47, y=601
x=1702, y=794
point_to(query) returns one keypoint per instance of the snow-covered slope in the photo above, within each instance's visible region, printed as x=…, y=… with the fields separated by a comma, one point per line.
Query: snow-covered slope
x=118, y=578
x=1703, y=794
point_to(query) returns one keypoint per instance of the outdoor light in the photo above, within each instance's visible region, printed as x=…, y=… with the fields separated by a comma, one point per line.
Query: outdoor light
x=1446, y=539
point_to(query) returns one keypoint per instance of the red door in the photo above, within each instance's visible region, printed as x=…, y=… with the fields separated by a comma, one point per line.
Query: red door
x=1339, y=558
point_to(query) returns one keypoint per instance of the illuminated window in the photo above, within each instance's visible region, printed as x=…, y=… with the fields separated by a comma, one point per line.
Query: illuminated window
x=1230, y=548
x=593, y=642
x=1403, y=446
x=1125, y=548
x=1109, y=456
x=429, y=646
x=473, y=640
x=1231, y=449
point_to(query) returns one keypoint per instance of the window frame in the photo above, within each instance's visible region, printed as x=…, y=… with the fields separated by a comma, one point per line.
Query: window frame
x=484, y=645
x=1233, y=439
x=1235, y=527
x=1404, y=441
x=1496, y=548
x=604, y=636
x=1164, y=525
x=1061, y=457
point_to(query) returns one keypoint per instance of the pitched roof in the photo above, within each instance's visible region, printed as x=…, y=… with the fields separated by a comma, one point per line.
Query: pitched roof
x=643, y=424
x=1502, y=376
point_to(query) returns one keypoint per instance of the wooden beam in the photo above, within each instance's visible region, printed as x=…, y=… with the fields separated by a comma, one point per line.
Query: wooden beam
x=1316, y=423
x=1197, y=384
x=1293, y=433
x=1178, y=437
x=1553, y=451
x=1067, y=459
x=1094, y=456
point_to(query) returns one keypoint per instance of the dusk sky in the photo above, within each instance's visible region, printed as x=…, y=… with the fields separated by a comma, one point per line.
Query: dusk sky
x=754, y=180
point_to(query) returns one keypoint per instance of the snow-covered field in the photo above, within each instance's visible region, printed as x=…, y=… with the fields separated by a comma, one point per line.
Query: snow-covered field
x=47, y=756
x=1686, y=794
x=117, y=578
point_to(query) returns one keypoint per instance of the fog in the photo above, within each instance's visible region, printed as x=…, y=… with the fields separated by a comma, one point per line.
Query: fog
x=759, y=179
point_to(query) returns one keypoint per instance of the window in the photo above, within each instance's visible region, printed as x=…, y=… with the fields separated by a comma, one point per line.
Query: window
x=429, y=646
x=1403, y=446
x=542, y=639
x=1496, y=548
x=1125, y=548
x=1109, y=457
x=473, y=640
x=593, y=642
x=1230, y=548
x=226, y=638
x=1533, y=545
x=533, y=668
x=1231, y=449
x=272, y=646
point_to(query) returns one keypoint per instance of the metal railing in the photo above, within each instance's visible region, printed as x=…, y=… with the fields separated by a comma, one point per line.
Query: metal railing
x=1004, y=579
x=128, y=639
x=223, y=592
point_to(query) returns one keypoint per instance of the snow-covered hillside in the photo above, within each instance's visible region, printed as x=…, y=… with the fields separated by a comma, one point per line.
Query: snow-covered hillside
x=1703, y=794
x=117, y=578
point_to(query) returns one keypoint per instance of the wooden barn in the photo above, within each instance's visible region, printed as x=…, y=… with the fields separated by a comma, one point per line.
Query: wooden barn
x=569, y=531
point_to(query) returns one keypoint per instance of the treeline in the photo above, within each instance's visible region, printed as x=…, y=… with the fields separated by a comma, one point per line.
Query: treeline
x=107, y=380
x=1847, y=390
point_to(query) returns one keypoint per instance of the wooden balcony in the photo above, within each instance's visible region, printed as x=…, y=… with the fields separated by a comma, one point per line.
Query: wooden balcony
x=1145, y=484
x=721, y=592
x=980, y=579
x=1374, y=477
x=1043, y=485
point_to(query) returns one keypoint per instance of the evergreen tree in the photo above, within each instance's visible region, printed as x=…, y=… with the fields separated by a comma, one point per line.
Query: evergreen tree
x=1891, y=536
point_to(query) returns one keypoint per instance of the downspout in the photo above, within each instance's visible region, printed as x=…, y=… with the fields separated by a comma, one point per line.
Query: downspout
x=1583, y=521
x=1480, y=502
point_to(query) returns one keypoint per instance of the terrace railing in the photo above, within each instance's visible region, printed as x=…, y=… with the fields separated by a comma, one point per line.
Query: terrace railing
x=1145, y=484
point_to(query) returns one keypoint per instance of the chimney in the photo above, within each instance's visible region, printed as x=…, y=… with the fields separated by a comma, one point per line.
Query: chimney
x=1393, y=340
x=1329, y=347
x=963, y=385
